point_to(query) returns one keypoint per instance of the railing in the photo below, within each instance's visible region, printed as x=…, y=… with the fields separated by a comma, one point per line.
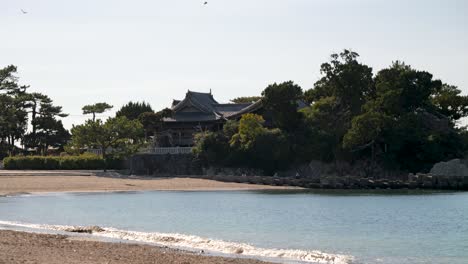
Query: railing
x=171, y=150
x=157, y=151
x=95, y=151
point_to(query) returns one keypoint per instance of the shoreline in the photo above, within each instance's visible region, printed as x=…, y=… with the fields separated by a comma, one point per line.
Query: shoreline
x=17, y=184
x=190, y=244
x=25, y=247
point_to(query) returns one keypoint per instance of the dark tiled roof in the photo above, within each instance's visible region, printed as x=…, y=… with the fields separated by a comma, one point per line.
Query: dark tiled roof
x=192, y=117
x=175, y=102
x=230, y=109
x=209, y=108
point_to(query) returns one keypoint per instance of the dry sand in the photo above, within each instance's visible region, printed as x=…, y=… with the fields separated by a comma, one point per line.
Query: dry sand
x=11, y=183
x=20, y=247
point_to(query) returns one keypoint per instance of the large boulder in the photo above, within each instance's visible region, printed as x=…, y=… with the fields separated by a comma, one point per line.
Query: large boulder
x=455, y=167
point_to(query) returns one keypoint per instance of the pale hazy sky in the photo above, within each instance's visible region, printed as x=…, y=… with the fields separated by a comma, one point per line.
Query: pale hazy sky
x=85, y=51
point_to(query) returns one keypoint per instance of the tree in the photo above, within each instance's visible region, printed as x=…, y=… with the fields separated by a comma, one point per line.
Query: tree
x=47, y=129
x=153, y=122
x=212, y=148
x=250, y=126
x=13, y=115
x=449, y=102
x=133, y=110
x=410, y=122
x=280, y=101
x=336, y=98
x=97, y=108
x=246, y=99
x=259, y=147
x=117, y=137
x=346, y=79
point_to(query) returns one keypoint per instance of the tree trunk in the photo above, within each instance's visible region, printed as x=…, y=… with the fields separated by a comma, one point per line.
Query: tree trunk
x=104, y=157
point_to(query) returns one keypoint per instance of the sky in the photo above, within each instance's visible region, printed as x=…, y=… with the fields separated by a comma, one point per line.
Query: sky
x=88, y=51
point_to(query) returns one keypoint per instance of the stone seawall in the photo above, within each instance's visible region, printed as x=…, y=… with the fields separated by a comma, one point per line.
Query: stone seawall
x=163, y=165
x=418, y=181
x=452, y=175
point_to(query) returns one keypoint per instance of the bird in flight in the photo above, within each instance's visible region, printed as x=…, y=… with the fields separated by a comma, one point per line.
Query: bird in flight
x=24, y=12
x=205, y=3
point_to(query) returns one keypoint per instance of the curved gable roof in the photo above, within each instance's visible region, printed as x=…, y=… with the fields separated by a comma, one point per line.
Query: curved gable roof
x=202, y=101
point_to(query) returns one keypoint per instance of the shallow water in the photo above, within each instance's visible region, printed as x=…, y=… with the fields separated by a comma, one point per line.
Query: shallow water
x=372, y=227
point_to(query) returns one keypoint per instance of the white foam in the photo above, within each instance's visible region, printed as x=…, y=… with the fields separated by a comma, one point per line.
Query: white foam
x=199, y=243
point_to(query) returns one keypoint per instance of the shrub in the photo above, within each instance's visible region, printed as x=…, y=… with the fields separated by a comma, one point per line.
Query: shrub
x=83, y=162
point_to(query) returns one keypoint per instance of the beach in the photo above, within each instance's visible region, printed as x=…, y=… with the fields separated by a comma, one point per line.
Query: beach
x=21, y=182
x=21, y=247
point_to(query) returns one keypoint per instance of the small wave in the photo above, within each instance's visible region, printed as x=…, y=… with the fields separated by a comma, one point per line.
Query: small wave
x=200, y=243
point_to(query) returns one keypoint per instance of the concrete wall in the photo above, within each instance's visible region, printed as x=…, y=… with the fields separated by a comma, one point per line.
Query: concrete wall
x=163, y=165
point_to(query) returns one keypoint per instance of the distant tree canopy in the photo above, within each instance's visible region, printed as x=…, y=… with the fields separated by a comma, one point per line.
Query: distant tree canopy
x=118, y=135
x=20, y=109
x=251, y=144
x=133, y=110
x=398, y=119
x=97, y=108
x=153, y=121
x=246, y=99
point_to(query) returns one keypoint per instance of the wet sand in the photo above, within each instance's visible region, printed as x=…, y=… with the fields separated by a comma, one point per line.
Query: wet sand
x=21, y=247
x=16, y=184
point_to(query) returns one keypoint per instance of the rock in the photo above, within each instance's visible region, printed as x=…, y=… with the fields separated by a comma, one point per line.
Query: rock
x=314, y=186
x=267, y=180
x=464, y=183
x=442, y=182
x=364, y=183
x=86, y=229
x=427, y=185
x=412, y=177
x=239, y=251
x=412, y=185
x=455, y=167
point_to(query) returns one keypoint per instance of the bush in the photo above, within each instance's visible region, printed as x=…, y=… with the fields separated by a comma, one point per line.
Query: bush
x=83, y=162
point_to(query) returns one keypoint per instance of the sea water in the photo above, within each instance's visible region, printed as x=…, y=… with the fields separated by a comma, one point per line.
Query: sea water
x=387, y=227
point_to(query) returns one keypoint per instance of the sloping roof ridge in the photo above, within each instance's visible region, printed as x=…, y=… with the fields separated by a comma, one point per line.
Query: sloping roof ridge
x=190, y=98
x=200, y=104
x=251, y=107
x=223, y=104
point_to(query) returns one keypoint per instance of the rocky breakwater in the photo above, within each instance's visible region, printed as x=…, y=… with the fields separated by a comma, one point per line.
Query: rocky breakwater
x=451, y=175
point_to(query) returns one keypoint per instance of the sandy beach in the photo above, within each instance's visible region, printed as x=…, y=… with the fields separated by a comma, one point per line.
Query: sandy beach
x=24, y=182
x=21, y=247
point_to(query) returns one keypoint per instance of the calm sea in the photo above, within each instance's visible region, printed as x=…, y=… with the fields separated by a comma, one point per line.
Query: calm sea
x=287, y=226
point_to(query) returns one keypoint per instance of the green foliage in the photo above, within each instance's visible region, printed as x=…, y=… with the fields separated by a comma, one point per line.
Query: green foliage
x=48, y=130
x=250, y=127
x=13, y=112
x=97, y=108
x=212, y=148
x=86, y=161
x=409, y=123
x=154, y=121
x=280, y=100
x=251, y=145
x=246, y=99
x=450, y=103
x=124, y=137
x=133, y=110
x=399, y=119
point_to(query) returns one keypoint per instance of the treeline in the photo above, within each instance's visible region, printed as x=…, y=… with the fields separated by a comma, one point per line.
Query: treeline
x=20, y=108
x=397, y=119
x=30, y=125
